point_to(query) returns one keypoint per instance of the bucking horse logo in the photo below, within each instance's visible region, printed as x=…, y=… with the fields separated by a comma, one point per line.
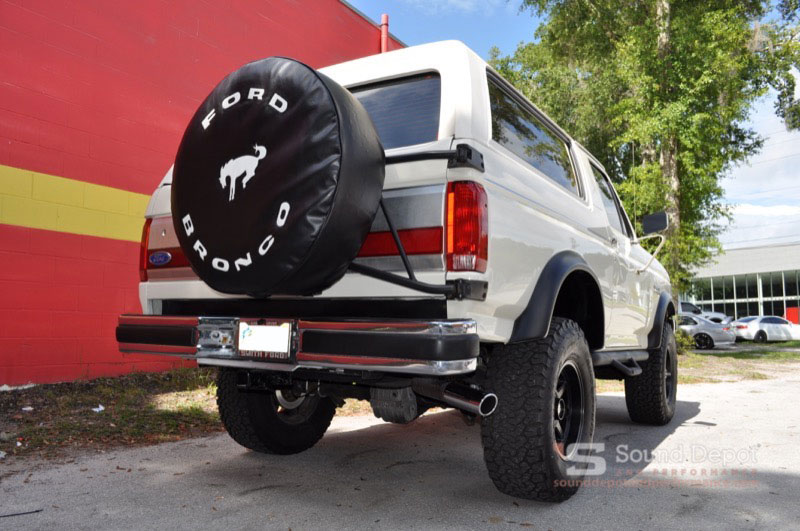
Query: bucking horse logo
x=245, y=165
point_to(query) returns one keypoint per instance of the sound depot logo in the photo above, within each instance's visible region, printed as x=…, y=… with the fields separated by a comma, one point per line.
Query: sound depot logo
x=694, y=465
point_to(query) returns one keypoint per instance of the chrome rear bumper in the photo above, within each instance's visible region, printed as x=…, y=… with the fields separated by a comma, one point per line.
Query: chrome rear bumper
x=439, y=347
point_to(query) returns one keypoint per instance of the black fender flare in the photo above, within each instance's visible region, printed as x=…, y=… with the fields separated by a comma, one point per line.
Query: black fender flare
x=664, y=309
x=534, y=321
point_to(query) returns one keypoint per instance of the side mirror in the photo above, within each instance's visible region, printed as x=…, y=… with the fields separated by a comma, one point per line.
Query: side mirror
x=654, y=223
x=651, y=226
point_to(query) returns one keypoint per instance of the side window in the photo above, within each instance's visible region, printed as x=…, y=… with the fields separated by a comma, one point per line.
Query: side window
x=689, y=307
x=524, y=134
x=609, y=201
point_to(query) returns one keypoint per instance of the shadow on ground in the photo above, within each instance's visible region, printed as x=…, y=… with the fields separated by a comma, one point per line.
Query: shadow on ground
x=438, y=454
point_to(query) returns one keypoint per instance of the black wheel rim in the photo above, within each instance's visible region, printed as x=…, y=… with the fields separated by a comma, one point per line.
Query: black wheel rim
x=292, y=409
x=702, y=341
x=669, y=375
x=568, y=409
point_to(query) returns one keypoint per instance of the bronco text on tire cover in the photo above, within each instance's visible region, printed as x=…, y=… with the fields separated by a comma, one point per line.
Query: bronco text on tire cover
x=276, y=181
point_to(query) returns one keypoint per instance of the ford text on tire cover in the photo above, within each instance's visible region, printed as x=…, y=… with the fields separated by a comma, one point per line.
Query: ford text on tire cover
x=409, y=230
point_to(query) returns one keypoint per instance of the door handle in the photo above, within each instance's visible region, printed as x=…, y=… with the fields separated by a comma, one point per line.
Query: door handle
x=613, y=241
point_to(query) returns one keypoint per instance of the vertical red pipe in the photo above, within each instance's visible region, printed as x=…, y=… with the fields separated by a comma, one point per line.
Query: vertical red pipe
x=384, y=33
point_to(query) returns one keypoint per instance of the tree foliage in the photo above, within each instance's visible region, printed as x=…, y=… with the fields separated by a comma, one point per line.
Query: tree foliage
x=660, y=92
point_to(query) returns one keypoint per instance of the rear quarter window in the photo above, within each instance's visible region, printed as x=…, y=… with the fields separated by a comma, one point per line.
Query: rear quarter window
x=521, y=132
x=405, y=111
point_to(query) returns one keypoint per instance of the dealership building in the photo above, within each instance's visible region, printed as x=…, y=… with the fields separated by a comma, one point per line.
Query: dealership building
x=751, y=281
x=94, y=100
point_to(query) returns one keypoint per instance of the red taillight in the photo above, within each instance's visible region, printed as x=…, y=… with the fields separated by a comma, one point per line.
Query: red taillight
x=741, y=327
x=467, y=224
x=164, y=258
x=143, y=250
x=726, y=328
x=415, y=241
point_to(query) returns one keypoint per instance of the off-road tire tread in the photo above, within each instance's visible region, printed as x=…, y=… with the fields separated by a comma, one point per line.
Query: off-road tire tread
x=235, y=414
x=644, y=394
x=515, y=436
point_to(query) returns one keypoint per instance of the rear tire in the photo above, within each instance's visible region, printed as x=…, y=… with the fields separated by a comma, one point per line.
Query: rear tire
x=546, y=402
x=760, y=337
x=650, y=397
x=263, y=423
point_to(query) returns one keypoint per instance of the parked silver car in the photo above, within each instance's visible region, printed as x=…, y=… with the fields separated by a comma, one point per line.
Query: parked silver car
x=714, y=317
x=706, y=334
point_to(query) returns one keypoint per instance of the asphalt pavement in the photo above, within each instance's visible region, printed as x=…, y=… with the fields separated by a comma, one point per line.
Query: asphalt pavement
x=729, y=460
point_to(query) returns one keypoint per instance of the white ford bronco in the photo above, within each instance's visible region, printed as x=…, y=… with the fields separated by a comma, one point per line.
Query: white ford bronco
x=405, y=229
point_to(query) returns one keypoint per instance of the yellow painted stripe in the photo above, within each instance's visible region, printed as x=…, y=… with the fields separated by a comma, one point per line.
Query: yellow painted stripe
x=41, y=201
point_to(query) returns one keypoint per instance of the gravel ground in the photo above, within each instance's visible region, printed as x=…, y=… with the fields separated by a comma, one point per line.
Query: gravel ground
x=430, y=474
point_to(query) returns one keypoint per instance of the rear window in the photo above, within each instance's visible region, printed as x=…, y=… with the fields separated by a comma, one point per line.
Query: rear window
x=405, y=111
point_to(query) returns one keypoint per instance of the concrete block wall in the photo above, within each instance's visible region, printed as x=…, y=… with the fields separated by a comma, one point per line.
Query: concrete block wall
x=94, y=97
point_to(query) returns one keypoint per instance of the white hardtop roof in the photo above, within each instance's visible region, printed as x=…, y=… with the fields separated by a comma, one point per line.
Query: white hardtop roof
x=463, y=73
x=420, y=58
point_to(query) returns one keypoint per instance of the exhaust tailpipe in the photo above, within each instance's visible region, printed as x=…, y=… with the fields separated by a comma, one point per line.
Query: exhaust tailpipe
x=458, y=395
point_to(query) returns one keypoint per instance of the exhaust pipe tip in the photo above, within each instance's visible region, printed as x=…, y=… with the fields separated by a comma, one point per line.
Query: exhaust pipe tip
x=487, y=405
x=460, y=396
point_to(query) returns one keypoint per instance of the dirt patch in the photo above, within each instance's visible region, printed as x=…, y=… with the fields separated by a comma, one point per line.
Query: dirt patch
x=141, y=408
x=58, y=420
x=730, y=365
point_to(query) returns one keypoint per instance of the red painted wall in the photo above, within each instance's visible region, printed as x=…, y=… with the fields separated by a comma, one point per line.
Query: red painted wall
x=100, y=91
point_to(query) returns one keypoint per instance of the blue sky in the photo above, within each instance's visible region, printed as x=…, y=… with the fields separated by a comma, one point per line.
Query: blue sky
x=480, y=24
x=763, y=194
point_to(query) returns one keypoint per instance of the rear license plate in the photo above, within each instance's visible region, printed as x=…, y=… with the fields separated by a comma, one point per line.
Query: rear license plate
x=267, y=342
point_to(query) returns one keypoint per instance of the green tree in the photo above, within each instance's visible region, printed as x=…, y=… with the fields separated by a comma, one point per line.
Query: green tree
x=660, y=91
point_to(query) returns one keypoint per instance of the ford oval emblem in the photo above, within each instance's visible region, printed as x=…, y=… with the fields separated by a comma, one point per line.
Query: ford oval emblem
x=160, y=258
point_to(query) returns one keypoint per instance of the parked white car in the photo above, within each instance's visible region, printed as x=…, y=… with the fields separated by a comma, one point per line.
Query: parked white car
x=706, y=334
x=766, y=328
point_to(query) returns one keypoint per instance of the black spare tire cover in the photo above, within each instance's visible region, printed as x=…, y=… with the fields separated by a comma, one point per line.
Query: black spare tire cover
x=276, y=181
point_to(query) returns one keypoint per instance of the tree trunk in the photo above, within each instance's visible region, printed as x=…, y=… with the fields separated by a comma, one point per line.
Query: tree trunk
x=668, y=160
x=668, y=156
